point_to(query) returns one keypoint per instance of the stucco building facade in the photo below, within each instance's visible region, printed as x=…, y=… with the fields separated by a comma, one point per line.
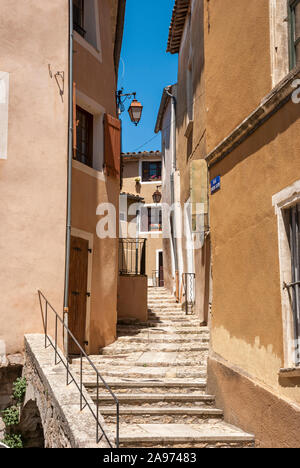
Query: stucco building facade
x=141, y=176
x=238, y=110
x=47, y=94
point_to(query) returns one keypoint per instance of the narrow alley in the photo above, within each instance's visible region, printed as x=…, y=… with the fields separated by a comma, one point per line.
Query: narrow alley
x=157, y=369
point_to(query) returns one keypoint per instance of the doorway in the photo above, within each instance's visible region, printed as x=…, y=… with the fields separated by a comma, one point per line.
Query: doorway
x=78, y=293
x=161, y=281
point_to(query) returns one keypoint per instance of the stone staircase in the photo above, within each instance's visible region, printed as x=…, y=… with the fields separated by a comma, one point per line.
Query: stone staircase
x=157, y=369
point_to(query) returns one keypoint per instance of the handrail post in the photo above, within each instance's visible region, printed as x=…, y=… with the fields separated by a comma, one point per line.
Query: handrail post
x=80, y=381
x=118, y=426
x=55, y=339
x=97, y=434
x=46, y=323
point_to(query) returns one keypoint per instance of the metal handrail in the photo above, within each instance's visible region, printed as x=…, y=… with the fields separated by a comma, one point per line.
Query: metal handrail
x=132, y=256
x=290, y=285
x=69, y=373
x=188, y=281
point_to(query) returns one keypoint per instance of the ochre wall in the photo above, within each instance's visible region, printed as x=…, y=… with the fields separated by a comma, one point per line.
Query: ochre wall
x=246, y=313
x=132, y=298
x=97, y=81
x=253, y=408
x=237, y=63
x=33, y=178
x=88, y=193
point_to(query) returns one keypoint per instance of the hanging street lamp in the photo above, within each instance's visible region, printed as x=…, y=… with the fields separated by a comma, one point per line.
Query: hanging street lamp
x=157, y=196
x=135, y=110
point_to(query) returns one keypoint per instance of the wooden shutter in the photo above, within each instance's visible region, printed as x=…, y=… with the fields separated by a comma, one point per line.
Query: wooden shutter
x=112, y=146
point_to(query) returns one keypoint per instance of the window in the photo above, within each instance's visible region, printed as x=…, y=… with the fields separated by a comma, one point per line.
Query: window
x=84, y=137
x=294, y=286
x=86, y=26
x=78, y=12
x=151, y=219
x=151, y=171
x=287, y=209
x=294, y=32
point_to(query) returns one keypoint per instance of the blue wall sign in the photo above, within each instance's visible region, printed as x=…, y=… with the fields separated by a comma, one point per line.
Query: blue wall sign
x=215, y=184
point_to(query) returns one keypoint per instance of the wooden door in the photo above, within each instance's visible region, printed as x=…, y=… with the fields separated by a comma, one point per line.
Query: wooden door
x=78, y=292
x=161, y=270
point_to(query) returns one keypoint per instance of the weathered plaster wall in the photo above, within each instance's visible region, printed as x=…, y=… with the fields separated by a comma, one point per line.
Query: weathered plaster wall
x=237, y=63
x=274, y=420
x=247, y=326
x=95, y=79
x=132, y=298
x=34, y=176
x=64, y=425
x=88, y=193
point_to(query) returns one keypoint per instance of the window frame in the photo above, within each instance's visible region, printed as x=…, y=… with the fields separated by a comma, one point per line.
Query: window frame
x=293, y=41
x=90, y=138
x=150, y=207
x=282, y=203
x=154, y=161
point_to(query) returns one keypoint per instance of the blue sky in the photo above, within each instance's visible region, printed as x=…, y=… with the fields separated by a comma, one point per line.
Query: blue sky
x=145, y=67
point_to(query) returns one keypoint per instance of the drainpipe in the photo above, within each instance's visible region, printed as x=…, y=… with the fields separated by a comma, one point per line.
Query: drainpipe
x=69, y=183
x=173, y=128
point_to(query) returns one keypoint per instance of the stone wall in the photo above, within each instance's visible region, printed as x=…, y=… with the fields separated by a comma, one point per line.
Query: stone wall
x=10, y=369
x=63, y=424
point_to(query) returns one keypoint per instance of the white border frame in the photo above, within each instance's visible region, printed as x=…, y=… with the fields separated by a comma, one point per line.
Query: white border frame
x=90, y=238
x=282, y=201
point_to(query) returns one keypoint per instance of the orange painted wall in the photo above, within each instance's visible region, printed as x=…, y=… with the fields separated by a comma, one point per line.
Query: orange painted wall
x=34, y=176
x=96, y=79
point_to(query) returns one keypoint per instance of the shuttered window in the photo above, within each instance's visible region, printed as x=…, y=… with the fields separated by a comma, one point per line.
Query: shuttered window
x=84, y=136
x=294, y=287
x=112, y=145
x=294, y=32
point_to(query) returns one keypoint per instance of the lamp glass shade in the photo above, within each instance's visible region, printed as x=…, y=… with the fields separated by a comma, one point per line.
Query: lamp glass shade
x=135, y=111
x=157, y=196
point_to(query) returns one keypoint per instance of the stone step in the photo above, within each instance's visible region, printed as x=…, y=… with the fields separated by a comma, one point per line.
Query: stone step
x=175, y=400
x=126, y=386
x=136, y=372
x=144, y=362
x=160, y=415
x=164, y=306
x=157, y=324
x=216, y=434
x=164, y=331
x=145, y=347
x=162, y=339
